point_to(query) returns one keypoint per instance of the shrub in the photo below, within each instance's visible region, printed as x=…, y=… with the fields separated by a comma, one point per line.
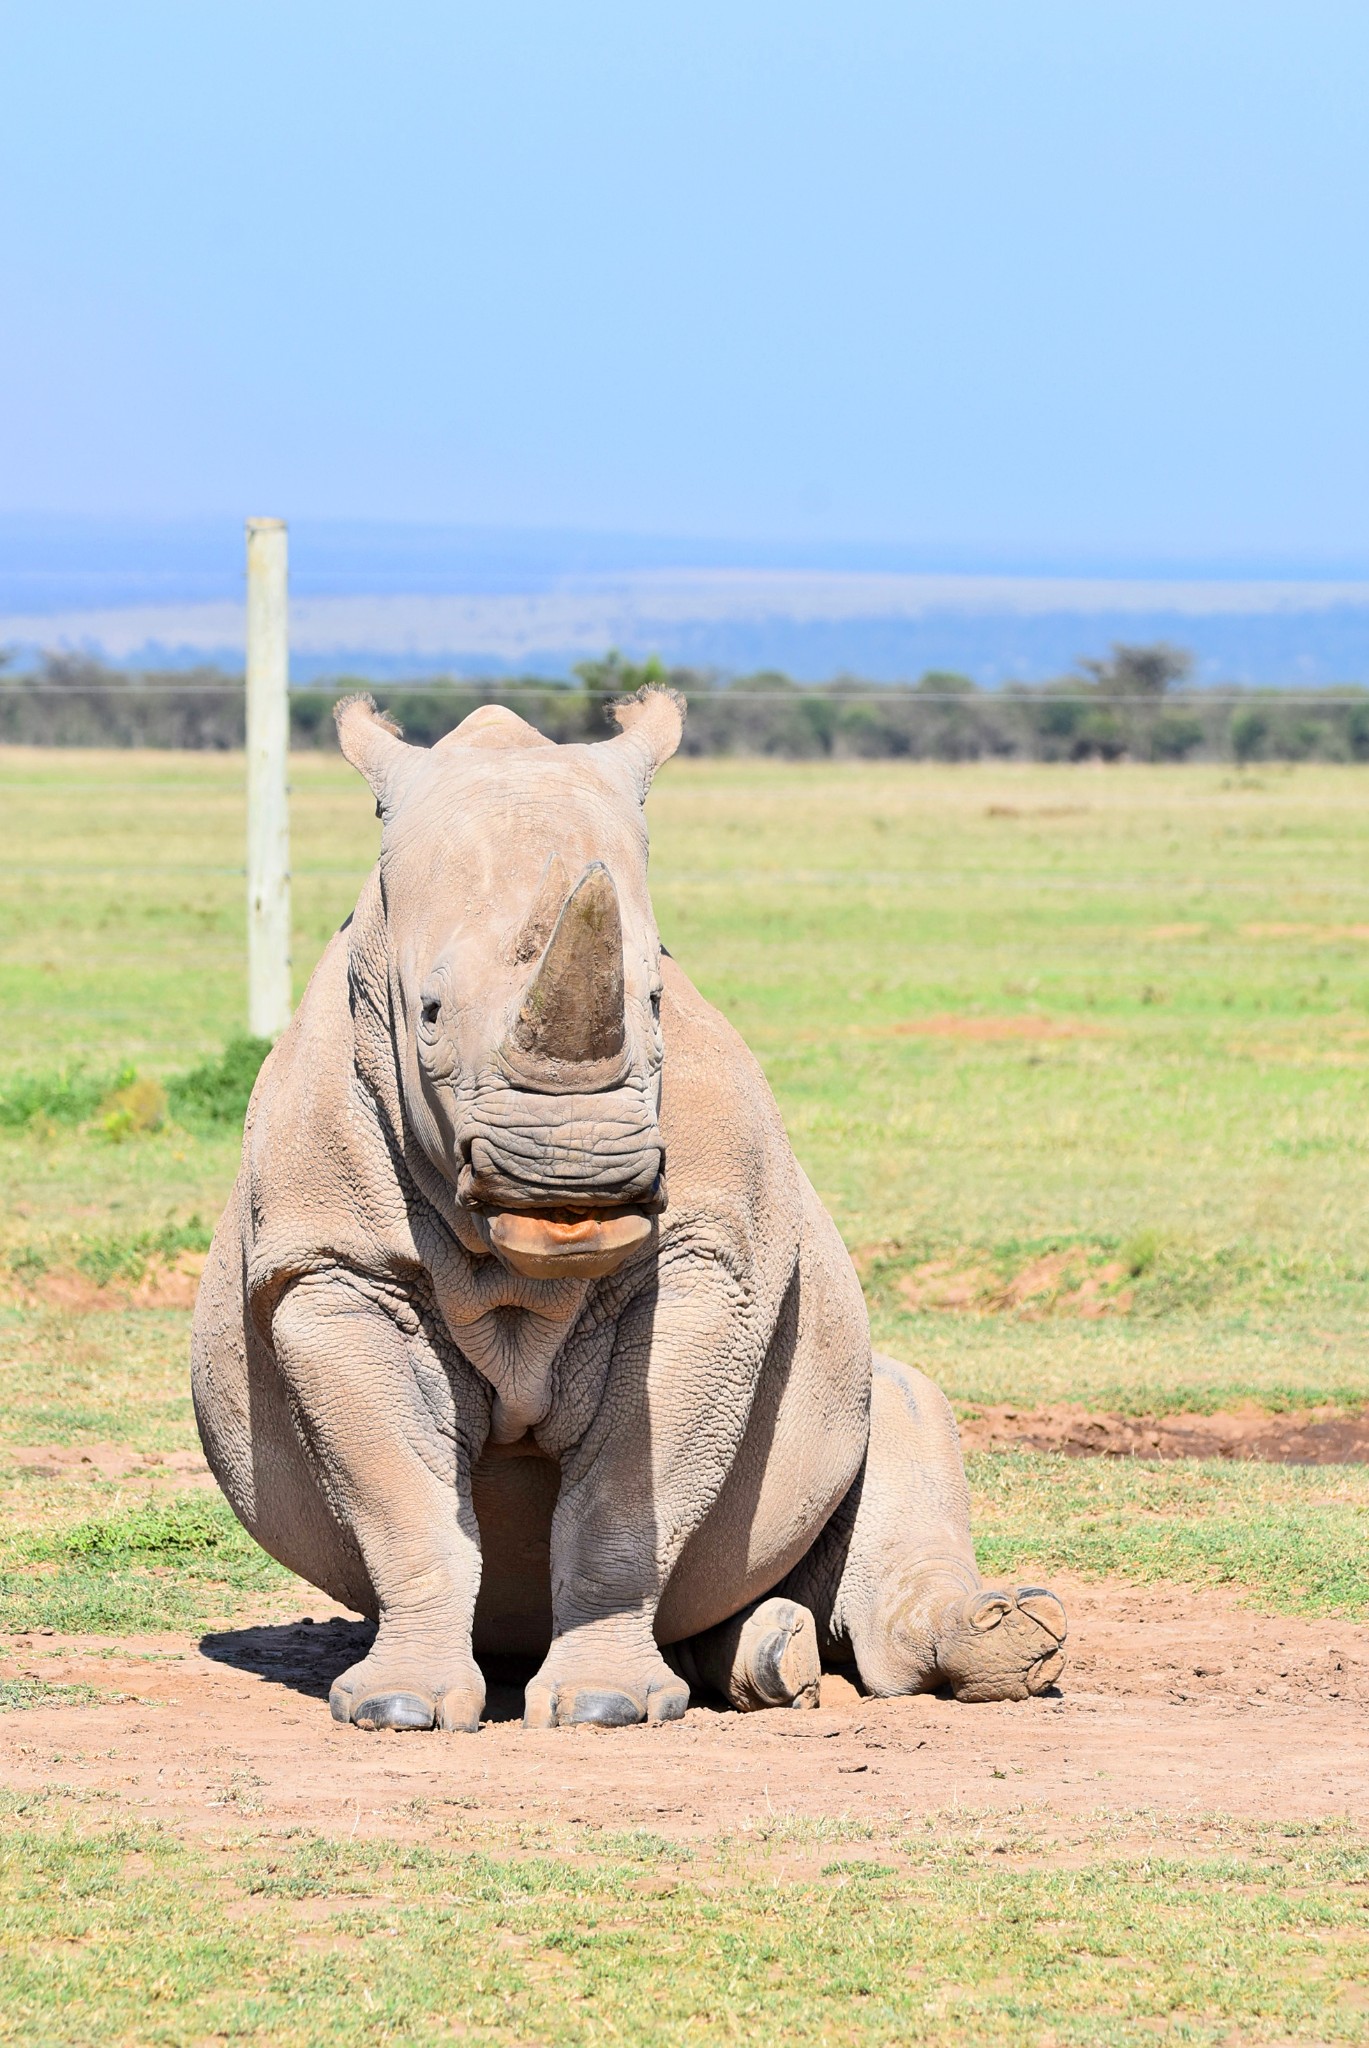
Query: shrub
x=125, y=1104
x=218, y=1091
x=69, y=1096
x=1140, y=1252
x=140, y=1105
x=1174, y=736
x=1249, y=731
x=1357, y=731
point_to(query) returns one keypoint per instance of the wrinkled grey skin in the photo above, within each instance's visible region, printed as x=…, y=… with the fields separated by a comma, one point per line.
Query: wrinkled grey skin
x=580, y=1468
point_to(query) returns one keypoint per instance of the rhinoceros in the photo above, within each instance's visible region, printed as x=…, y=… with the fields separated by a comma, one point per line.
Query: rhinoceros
x=524, y=1332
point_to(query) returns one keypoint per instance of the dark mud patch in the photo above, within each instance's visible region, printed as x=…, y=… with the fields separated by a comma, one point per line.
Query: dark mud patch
x=1308, y=1436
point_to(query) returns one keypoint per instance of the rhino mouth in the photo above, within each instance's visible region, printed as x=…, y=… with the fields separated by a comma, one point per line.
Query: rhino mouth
x=564, y=1243
x=575, y=1168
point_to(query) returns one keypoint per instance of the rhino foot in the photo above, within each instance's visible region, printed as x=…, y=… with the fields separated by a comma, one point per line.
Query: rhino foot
x=1001, y=1643
x=936, y=1625
x=575, y=1690
x=777, y=1662
x=766, y=1656
x=391, y=1690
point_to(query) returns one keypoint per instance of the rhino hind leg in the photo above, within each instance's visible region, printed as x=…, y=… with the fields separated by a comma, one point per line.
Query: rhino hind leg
x=896, y=1569
x=766, y=1656
x=1001, y=1642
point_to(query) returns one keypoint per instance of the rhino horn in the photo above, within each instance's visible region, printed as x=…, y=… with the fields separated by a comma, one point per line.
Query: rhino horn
x=547, y=905
x=573, y=1010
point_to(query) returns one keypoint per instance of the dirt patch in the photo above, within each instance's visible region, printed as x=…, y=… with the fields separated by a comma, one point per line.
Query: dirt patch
x=1026, y=1026
x=165, y=1284
x=1308, y=1436
x=110, y=1462
x=1175, y=1701
x=1073, y=1282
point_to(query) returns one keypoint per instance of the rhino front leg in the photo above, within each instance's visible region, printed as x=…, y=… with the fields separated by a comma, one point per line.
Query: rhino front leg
x=400, y=1485
x=636, y=1486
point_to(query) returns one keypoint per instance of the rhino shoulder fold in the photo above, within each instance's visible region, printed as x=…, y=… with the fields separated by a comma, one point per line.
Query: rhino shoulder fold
x=320, y=1182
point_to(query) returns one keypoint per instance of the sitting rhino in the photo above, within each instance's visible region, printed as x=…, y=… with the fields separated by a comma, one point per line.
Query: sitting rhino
x=524, y=1333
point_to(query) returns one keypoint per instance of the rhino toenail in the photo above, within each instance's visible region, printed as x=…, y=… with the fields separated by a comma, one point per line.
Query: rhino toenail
x=1045, y=1609
x=767, y=1678
x=400, y=1710
x=605, y=1709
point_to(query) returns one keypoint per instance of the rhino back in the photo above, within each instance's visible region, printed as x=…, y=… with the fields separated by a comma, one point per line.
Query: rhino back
x=725, y=1143
x=732, y=1173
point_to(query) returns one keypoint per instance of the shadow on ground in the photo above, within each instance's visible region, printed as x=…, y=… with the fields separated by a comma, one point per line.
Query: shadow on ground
x=306, y=1656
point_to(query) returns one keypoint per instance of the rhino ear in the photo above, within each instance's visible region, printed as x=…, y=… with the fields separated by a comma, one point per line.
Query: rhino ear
x=652, y=723
x=372, y=742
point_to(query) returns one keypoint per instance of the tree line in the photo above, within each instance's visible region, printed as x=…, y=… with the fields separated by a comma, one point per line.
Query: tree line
x=1135, y=704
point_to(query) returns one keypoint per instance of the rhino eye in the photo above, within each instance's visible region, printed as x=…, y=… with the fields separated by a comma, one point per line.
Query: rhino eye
x=432, y=1009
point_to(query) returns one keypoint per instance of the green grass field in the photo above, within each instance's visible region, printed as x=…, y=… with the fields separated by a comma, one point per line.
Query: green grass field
x=1085, y=1052
x=1009, y=1012
x=967, y=1930
x=1079, y=1058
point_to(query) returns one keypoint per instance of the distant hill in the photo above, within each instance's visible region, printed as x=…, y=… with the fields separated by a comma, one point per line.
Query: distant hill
x=396, y=600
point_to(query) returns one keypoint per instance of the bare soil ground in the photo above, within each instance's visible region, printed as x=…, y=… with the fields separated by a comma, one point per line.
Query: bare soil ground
x=1308, y=1436
x=111, y=1461
x=1175, y=1702
x=166, y=1283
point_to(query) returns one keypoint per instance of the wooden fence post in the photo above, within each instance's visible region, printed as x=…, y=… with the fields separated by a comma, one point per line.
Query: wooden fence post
x=270, y=996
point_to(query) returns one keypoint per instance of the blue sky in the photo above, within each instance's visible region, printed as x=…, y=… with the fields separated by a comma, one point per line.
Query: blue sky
x=996, y=283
